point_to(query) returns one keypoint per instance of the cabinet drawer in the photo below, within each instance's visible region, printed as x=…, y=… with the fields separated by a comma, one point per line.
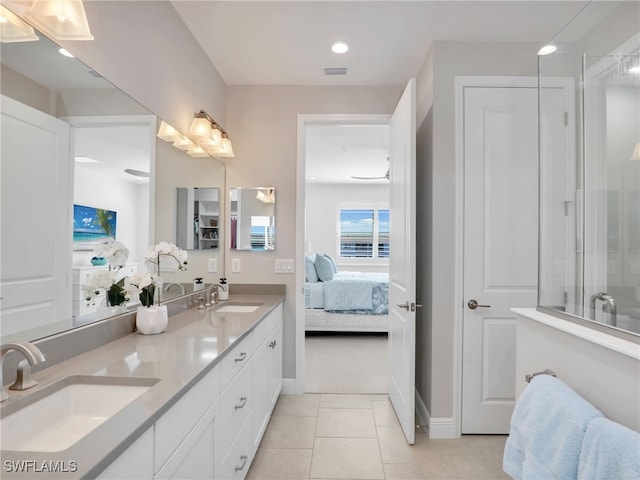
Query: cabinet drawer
x=266, y=325
x=237, y=462
x=235, y=405
x=172, y=428
x=235, y=359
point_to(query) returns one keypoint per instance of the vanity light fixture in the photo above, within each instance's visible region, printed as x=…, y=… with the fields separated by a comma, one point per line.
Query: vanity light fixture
x=205, y=138
x=547, y=50
x=60, y=19
x=266, y=195
x=183, y=143
x=167, y=133
x=636, y=152
x=14, y=29
x=197, y=151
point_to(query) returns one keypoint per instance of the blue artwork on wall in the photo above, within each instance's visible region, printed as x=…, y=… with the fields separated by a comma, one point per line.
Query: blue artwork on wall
x=92, y=225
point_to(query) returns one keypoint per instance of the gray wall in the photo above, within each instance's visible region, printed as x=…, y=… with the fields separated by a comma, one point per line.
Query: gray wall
x=264, y=124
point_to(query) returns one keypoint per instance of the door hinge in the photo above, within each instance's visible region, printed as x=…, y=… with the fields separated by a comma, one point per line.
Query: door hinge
x=566, y=119
x=566, y=207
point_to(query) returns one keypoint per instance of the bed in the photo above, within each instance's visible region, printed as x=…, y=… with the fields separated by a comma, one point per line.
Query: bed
x=350, y=301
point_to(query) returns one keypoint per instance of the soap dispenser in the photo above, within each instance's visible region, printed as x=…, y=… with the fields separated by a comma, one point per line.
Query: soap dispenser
x=197, y=284
x=223, y=294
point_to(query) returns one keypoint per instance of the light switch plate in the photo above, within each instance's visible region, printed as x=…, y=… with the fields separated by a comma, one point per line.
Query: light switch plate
x=213, y=265
x=284, y=265
x=236, y=265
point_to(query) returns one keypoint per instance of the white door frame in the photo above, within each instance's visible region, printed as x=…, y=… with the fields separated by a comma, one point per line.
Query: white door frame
x=460, y=83
x=303, y=121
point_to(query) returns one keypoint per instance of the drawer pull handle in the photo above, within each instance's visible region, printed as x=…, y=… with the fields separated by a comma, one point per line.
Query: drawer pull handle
x=272, y=344
x=243, y=402
x=241, y=357
x=243, y=463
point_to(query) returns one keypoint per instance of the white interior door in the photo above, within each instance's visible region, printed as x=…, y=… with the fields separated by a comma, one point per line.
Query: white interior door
x=36, y=218
x=402, y=261
x=500, y=246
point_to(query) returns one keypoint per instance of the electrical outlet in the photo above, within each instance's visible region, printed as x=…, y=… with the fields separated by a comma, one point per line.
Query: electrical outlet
x=284, y=265
x=236, y=265
x=213, y=265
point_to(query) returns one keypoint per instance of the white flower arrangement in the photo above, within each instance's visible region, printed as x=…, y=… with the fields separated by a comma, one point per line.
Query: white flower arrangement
x=114, y=252
x=166, y=256
x=144, y=285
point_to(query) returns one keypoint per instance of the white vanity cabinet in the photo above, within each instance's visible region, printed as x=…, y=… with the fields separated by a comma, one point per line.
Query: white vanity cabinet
x=213, y=431
x=135, y=462
x=267, y=372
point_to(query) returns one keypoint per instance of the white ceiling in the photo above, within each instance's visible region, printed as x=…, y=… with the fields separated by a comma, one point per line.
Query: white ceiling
x=287, y=42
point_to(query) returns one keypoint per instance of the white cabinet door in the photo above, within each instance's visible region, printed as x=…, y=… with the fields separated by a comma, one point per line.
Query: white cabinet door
x=261, y=410
x=136, y=461
x=275, y=366
x=195, y=458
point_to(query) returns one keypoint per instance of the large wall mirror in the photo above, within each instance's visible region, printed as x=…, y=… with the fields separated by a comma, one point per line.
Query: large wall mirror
x=252, y=219
x=113, y=165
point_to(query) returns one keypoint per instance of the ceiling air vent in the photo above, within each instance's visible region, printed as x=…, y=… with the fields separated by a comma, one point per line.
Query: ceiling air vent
x=336, y=71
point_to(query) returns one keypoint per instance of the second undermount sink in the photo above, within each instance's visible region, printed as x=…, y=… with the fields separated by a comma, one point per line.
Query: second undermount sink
x=238, y=307
x=56, y=417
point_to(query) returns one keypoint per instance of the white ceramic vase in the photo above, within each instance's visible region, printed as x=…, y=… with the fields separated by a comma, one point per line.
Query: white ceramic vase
x=152, y=320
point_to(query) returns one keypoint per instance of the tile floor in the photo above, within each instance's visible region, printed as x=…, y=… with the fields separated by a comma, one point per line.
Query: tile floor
x=357, y=436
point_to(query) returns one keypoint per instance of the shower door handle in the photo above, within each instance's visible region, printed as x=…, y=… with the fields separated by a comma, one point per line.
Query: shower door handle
x=473, y=304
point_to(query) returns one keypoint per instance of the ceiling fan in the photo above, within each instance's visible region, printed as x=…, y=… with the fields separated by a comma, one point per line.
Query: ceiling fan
x=385, y=176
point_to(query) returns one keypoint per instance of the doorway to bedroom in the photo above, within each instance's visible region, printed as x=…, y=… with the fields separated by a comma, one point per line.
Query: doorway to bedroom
x=346, y=255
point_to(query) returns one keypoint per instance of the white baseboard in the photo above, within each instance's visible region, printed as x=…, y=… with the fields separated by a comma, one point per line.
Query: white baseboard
x=437, y=427
x=289, y=386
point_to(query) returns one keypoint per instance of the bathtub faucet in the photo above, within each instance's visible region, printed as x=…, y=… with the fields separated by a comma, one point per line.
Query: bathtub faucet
x=610, y=306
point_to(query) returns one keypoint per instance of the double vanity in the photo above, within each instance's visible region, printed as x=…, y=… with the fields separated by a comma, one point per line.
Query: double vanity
x=192, y=402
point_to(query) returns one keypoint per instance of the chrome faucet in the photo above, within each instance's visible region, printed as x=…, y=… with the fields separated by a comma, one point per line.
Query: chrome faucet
x=167, y=286
x=213, y=292
x=610, y=306
x=33, y=356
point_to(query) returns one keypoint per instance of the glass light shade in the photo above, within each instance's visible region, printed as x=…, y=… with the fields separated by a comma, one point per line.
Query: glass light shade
x=167, y=133
x=636, y=152
x=226, y=150
x=61, y=19
x=200, y=128
x=14, y=29
x=197, y=151
x=183, y=143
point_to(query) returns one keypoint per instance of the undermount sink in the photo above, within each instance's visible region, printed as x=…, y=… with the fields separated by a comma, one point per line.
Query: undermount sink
x=238, y=307
x=56, y=417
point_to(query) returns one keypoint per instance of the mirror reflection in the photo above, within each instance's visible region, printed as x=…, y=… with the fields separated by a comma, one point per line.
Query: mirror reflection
x=197, y=218
x=252, y=219
x=75, y=150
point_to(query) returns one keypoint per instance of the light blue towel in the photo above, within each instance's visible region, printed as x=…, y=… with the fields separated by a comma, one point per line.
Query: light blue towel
x=610, y=451
x=547, y=429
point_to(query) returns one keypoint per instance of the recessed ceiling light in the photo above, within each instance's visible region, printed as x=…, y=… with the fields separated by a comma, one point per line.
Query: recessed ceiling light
x=86, y=160
x=65, y=53
x=635, y=70
x=339, y=47
x=547, y=50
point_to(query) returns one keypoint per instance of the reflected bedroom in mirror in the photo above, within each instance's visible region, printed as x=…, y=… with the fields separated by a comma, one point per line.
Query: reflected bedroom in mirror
x=252, y=219
x=79, y=162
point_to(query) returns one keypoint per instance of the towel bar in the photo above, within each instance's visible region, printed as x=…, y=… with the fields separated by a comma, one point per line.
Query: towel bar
x=546, y=371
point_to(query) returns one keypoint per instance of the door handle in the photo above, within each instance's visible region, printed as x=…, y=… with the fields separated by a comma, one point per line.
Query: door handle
x=473, y=304
x=409, y=306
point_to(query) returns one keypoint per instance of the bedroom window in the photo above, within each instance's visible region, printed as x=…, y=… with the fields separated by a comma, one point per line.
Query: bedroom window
x=364, y=233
